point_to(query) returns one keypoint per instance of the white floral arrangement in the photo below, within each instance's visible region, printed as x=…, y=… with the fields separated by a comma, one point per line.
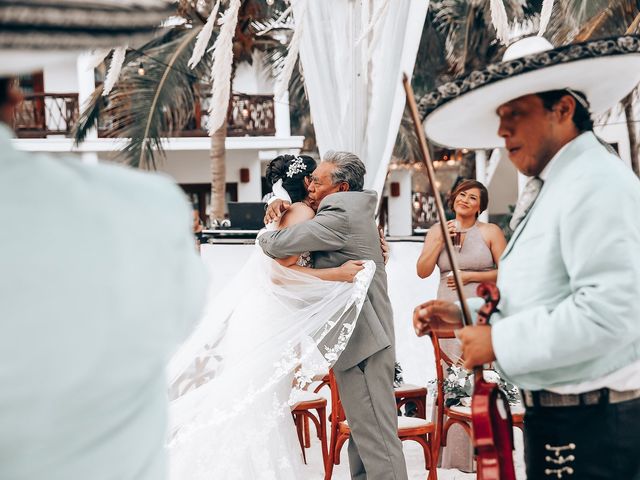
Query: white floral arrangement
x=458, y=386
x=296, y=166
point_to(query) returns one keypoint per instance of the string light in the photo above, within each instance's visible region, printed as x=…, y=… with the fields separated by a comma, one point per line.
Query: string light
x=141, y=70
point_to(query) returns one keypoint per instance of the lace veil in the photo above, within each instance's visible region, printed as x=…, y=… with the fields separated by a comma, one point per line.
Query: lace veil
x=261, y=341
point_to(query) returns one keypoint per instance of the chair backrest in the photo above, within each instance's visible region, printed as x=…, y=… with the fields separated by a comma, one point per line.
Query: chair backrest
x=441, y=360
x=337, y=412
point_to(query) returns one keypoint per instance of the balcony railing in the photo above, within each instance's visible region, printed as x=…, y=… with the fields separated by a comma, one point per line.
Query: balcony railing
x=248, y=115
x=43, y=114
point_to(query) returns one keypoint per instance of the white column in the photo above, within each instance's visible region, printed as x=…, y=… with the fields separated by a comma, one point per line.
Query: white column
x=86, y=78
x=481, y=166
x=86, y=86
x=481, y=176
x=281, y=113
x=400, y=222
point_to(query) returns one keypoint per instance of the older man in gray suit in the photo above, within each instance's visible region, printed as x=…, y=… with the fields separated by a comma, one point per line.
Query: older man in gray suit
x=344, y=228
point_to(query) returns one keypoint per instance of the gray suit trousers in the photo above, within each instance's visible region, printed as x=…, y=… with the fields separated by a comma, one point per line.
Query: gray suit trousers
x=366, y=391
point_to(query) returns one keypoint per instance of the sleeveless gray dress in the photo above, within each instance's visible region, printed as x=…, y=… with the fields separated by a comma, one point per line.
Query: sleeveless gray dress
x=474, y=256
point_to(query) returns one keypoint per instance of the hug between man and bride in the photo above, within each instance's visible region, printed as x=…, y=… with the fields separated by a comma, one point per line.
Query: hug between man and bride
x=327, y=289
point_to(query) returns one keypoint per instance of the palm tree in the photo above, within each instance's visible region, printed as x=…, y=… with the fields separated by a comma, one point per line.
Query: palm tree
x=458, y=37
x=145, y=109
x=577, y=21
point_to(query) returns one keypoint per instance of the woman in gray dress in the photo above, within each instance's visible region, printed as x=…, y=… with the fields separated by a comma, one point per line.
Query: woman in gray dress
x=481, y=245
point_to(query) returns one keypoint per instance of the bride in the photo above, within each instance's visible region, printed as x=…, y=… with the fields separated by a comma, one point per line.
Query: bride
x=261, y=341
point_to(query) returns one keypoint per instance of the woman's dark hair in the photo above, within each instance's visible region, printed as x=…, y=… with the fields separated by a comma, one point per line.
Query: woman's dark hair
x=581, y=116
x=292, y=170
x=5, y=86
x=468, y=185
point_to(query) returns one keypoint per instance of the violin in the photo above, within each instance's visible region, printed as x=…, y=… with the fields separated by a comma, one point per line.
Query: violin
x=491, y=422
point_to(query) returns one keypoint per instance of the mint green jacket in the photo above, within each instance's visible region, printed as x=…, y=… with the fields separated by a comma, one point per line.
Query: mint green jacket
x=99, y=281
x=570, y=275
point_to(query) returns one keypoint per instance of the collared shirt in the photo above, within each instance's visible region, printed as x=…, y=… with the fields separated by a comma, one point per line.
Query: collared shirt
x=627, y=378
x=570, y=283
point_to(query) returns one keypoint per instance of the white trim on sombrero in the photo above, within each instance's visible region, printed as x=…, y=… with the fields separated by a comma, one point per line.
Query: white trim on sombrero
x=469, y=120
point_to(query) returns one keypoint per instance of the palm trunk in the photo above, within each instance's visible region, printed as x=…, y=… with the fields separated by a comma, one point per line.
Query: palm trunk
x=631, y=129
x=218, y=173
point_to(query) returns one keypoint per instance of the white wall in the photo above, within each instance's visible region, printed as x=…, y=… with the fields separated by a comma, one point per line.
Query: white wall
x=61, y=77
x=253, y=79
x=400, y=222
x=195, y=167
x=503, y=187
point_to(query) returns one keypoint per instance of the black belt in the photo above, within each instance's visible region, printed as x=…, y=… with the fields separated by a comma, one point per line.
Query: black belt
x=544, y=398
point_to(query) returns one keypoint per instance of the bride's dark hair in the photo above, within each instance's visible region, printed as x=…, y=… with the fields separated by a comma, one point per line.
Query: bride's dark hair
x=292, y=170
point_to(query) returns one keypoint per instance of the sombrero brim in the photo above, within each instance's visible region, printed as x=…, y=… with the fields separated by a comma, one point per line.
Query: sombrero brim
x=462, y=114
x=47, y=30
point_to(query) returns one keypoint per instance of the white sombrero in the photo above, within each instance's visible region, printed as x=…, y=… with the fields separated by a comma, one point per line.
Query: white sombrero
x=462, y=113
x=36, y=33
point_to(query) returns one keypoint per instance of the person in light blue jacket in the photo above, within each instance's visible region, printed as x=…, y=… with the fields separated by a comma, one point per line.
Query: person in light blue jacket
x=568, y=327
x=96, y=295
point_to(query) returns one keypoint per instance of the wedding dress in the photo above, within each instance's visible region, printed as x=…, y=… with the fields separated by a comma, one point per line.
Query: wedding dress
x=231, y=383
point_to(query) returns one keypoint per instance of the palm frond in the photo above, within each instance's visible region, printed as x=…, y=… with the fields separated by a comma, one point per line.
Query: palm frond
x=407, y=146
x=143, y=109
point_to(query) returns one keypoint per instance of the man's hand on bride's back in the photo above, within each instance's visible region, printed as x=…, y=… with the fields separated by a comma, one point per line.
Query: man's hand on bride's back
x=275, y=210
x=384, y=246
x=348, y=270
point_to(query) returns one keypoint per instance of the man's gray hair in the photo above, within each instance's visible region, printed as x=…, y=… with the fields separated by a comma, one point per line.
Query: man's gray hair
x=348, y=168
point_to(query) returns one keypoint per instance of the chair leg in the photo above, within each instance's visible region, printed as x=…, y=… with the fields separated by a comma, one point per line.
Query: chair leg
x=322, y=435
x=328, y=472
x=299, y=429
x=434, y=441
x=339, y=444
x=307, y=435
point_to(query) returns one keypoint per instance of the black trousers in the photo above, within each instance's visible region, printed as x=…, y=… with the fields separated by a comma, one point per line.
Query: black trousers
x=583, y=443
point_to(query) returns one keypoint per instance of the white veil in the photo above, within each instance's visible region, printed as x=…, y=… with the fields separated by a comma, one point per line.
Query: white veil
x=231, y=381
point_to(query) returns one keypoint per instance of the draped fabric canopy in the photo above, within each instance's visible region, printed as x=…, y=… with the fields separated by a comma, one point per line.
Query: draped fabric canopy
x=353, y=54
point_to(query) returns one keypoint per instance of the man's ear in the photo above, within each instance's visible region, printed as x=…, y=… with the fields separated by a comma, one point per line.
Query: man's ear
x=344, y=187
x=565, y=107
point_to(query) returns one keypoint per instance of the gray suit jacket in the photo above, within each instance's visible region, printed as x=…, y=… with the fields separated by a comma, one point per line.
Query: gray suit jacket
x=344, y=228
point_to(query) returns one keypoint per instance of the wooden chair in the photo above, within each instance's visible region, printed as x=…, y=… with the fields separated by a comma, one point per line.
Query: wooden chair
x=324, y=382
x=455, y=415
x=409, y=428
x=302, y=415
x=408, y=393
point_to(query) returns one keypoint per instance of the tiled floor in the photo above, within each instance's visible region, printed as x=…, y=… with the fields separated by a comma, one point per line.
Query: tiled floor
x=415, y=464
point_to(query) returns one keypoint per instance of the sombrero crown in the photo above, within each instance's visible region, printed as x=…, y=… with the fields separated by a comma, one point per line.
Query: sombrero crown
x=462, y=113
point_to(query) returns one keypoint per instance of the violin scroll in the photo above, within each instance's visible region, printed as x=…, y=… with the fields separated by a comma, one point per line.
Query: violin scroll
x=491, y=294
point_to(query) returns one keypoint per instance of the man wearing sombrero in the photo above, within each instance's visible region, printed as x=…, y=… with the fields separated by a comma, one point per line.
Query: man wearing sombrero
x=90, y=309
x=568, y=329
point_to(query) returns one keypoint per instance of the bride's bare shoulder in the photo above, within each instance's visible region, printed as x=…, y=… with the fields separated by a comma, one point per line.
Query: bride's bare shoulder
x=297, y=213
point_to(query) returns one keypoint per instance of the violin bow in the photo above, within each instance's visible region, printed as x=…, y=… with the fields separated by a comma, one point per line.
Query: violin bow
x=426, y=159
x=492, y=427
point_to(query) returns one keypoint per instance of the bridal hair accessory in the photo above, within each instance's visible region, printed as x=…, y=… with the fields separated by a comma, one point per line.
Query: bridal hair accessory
x=296, y=166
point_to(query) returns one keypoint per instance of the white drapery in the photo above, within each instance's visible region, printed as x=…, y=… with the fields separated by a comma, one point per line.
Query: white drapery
x=353, y=54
